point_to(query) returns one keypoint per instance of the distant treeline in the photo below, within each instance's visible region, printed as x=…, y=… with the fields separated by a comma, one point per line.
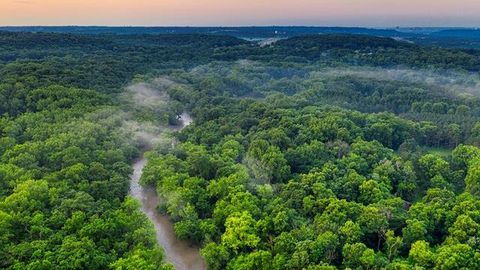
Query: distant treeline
x=443, y=37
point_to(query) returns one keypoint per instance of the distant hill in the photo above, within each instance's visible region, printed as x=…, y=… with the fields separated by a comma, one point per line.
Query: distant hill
x=341, y=41
x=246, y=32
x=462, y=33
x=442, y=37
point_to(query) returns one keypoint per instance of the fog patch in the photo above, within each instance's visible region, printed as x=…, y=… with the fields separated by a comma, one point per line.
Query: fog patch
x=145, y=135
x=163, y=82
x=145, y=95
x=147, y=108
x=456, y=82
x=245, y=63
x=268, y=41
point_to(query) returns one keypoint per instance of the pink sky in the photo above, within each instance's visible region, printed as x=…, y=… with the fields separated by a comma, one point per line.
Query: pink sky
x=242, y=12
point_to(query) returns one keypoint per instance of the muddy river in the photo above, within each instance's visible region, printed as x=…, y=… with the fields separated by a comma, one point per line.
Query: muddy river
x=181, y=254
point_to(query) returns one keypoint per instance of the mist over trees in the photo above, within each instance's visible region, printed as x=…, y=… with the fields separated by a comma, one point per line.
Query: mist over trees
x=315, y=152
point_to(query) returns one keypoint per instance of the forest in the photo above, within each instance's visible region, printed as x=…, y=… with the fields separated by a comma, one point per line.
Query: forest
x=334, y=151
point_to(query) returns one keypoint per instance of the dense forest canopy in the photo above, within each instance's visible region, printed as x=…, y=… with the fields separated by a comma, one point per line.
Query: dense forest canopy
x=314, y=152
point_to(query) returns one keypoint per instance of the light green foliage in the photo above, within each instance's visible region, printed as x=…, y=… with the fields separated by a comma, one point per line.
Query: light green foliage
x=255, y=260
x=240, y=232
x=351, y=232
x=456, y=256
x=142, y=259
x=393, y=244
x=421, y=254
x=472, y=180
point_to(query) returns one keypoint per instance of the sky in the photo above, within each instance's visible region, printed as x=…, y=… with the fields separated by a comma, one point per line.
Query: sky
x=371, y=13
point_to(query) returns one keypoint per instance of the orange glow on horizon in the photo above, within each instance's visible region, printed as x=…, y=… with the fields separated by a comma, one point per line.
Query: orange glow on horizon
x=240, y=12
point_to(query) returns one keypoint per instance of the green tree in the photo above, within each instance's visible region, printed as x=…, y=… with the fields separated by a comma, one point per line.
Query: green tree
x=421, y=254
x=240, y=232
x=457, y=256
x=216, y=256
x=358, y=256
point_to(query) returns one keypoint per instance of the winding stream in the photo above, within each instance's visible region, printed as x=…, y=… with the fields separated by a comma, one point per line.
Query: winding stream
x=180, y=253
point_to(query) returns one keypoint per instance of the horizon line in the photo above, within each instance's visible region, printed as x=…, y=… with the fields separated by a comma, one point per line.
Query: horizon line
x=240, y=26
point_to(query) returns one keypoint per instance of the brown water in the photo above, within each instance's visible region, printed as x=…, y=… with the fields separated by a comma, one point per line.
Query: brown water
x=181, y=254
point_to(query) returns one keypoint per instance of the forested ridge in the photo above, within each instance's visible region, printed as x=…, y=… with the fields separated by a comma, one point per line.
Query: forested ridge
x=439, y=37
x=315, y=152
